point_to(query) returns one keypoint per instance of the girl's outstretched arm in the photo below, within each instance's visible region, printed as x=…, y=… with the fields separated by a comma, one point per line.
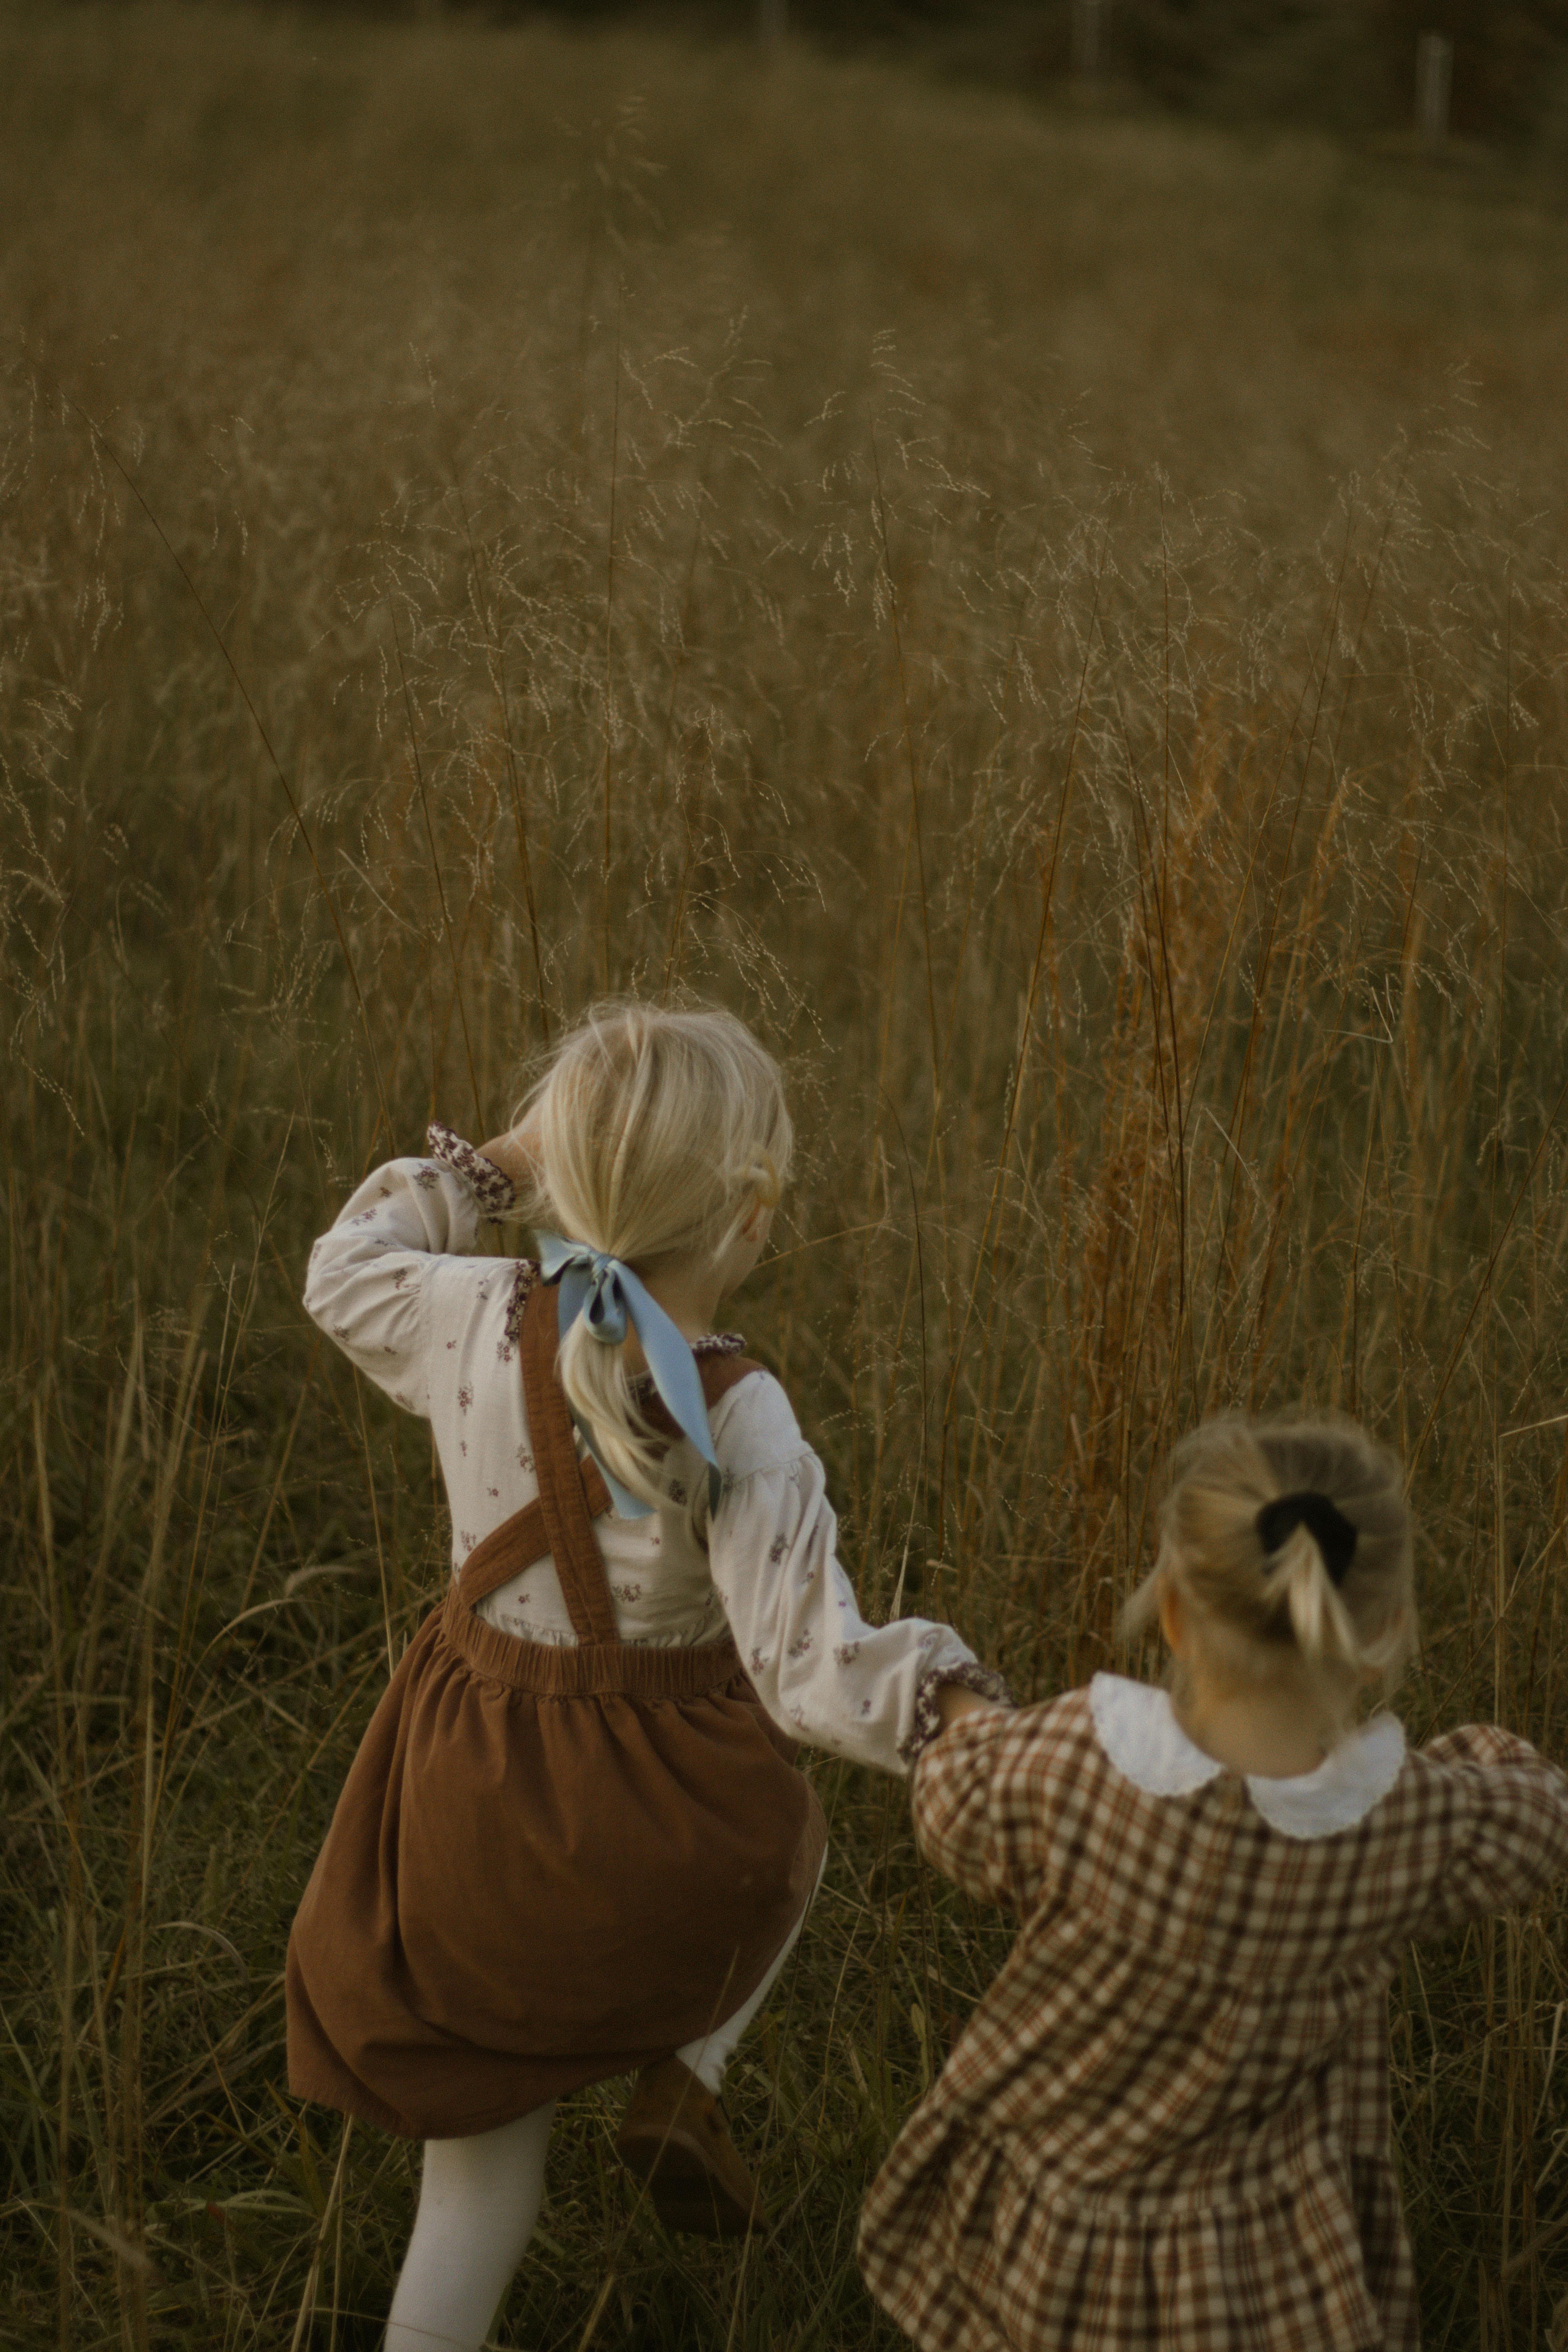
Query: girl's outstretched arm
x=870, y=1692
x=1503, y=1835
x=981, y=1801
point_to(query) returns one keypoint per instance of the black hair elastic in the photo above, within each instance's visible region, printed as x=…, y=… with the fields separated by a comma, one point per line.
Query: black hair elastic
x=1329, y=1527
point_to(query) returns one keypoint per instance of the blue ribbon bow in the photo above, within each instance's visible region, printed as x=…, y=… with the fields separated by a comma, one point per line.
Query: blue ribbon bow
x=608, y=1295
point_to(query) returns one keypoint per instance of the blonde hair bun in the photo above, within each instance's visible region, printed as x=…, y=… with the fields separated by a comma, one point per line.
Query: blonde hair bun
x=1331, y=1600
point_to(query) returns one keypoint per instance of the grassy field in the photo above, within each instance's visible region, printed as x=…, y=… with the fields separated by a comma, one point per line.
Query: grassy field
x=1059, y=622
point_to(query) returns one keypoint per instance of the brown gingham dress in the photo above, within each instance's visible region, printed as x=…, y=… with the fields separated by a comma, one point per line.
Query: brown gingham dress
x=1166, y=2123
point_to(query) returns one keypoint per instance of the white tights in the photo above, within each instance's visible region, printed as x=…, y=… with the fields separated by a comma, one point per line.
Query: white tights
x=479, y=2198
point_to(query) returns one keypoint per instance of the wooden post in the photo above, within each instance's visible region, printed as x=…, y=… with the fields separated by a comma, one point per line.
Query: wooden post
x=773, y=22
x=1434, y=86
x=1087, y=39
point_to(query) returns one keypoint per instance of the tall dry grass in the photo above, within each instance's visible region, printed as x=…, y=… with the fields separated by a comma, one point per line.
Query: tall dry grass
x=1060, y=625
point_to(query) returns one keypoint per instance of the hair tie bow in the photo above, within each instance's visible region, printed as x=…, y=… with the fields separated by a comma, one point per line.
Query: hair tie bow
x=1324, y=1522
x=608, y=1295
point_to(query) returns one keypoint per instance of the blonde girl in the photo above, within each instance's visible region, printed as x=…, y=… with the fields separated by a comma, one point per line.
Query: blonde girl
x=1166, y=2125
x=574, y=1843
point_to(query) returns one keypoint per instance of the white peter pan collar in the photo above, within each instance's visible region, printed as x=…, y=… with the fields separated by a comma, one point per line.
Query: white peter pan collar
x=1137, y=1730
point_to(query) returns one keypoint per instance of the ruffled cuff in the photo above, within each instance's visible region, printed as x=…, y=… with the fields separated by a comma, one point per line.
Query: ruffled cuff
x=928, y=1722
x=491, y=1187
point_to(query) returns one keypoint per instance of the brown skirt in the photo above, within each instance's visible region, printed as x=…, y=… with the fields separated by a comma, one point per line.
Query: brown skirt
x=548, y=1865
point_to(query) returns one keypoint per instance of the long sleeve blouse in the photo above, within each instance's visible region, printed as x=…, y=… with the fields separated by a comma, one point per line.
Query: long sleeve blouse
x=396, y=1283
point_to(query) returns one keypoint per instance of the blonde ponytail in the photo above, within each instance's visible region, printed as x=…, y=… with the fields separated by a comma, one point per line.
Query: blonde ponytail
x=1321, y=1623
x=598, y=1389
x=1264, y=1614
x=653, y=1135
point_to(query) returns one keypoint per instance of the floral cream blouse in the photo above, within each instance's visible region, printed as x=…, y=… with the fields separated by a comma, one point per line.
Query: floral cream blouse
x=397, y=1284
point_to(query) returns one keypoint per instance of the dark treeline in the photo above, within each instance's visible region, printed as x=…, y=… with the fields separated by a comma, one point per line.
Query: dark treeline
x=1343, y=66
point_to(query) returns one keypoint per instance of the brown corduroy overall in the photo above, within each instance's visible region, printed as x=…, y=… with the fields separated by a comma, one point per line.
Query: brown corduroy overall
x=548, y=1865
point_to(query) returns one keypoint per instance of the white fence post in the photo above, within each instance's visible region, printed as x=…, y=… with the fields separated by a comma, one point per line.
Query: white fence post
x=1434, y=86
x=1088, y=40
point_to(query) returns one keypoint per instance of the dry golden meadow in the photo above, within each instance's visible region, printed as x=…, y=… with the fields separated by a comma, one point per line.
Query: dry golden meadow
x=1057, y=619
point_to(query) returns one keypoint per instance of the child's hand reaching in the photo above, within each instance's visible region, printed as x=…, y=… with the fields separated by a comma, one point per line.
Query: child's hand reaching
x=511, y=1156
x=953, y=1699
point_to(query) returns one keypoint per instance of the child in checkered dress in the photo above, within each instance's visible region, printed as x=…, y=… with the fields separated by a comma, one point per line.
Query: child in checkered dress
x=1166, y=2123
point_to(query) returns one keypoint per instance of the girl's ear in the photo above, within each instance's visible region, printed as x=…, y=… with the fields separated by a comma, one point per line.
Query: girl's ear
x=1172, y=1620
x=759, y=1217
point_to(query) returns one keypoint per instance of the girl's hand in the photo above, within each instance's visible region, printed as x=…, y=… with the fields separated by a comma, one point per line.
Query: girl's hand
x=511, y=1156
x=953, y=1699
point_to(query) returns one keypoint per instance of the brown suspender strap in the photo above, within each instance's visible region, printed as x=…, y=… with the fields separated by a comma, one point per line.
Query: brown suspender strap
x=521, y=1540
x=562, y=1528
x=568, y=1529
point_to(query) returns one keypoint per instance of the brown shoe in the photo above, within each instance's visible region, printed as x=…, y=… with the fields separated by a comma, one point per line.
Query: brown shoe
x=676, y=2138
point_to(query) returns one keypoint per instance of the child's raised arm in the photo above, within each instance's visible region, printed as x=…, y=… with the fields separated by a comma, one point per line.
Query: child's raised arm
x=369, y=1277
